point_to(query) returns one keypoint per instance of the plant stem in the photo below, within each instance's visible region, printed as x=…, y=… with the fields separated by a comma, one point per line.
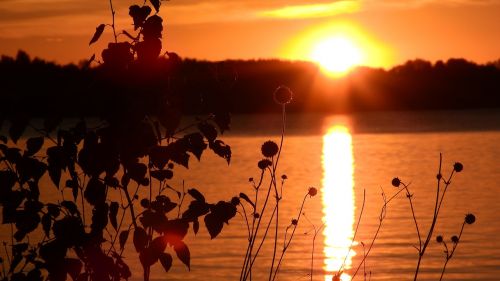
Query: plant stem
x=113, y=19
x=290, y=240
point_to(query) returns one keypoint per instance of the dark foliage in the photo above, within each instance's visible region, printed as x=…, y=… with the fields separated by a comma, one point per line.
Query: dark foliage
x=136, y=144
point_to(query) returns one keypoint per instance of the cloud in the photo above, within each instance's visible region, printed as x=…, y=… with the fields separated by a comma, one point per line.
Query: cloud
x=313, y=10
x=406, y=4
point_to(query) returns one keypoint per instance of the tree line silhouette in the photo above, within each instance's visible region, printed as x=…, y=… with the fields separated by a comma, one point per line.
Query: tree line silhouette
x=40, y=87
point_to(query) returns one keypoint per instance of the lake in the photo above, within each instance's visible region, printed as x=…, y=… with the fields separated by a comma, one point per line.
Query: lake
x=345, y=157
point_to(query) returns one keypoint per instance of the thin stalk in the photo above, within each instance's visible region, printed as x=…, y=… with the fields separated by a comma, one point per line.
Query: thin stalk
x=290, y=240
x=409, y=195
x=130, y=206
x=252, y=243
x=448, y=257
x=277, y=219
x=113, y=19
x=381, y=219
x=261, y=242
x=355, y=232
x=437, y=208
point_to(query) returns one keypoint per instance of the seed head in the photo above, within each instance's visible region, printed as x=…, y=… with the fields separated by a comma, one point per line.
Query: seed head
x=439, y=239
x=470, y=219
x=454, y=239
x=256, y=215
x=269, y=149
x=458, y=167
x=312, y=191
x=250, y=179
x=264, y=163
x=283, y=95
x=295, y=222
x=284, y=177
x=396, y=182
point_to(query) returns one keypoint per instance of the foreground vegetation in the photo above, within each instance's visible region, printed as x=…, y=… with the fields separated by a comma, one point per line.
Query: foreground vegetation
x=98, y=168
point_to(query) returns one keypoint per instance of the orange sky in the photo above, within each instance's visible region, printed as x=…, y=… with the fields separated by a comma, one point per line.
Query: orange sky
x=59, y=30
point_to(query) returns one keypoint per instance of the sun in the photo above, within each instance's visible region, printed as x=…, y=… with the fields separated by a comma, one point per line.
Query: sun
x=338, y=47
x=336, y=55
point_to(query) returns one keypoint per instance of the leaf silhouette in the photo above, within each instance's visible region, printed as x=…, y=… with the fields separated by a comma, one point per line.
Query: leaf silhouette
x=46, y=223
x=245, y=197
x=140, y=239
x=162, y=175
x=71, y=207
x=98, y=32
x=196, y=226
x=113, y=211
x=183, y=253
x=221, y=149
x=33, y=145
x=196, y=194
x=220, y=213
x=196, y=145
x=95, y=192
x=214, y=225
x=156, y=4
x=208, y=131
x=123, y=238
x=166, y=261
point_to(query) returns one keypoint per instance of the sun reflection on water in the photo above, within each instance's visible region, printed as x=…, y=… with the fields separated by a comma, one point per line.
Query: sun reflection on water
x=338, y=200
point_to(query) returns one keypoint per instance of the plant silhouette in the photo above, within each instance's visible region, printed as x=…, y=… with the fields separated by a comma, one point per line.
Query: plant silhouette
x=135, y=145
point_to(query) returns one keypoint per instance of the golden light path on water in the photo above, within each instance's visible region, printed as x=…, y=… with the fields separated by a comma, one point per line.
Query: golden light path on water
x=338, y=200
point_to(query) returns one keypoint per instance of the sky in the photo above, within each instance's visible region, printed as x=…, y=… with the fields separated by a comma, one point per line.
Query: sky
x=387, y=32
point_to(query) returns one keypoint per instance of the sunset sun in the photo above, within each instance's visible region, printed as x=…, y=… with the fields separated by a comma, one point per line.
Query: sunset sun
x=336, y=55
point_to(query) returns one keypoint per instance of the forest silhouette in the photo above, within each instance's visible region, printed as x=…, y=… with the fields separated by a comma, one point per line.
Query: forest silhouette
x=42, y=88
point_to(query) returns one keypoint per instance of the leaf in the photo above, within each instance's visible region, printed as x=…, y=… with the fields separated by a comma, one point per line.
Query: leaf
x=113, y=211
x=196, y=226
x=156, y=4
x=148, y=257
x=166, y=261
x=140, y=239
x=123, y=238
x=137, y=171
x=183, y=253
x=221, y=149
x=53, y=210
x=57, y=162
x=98, y=32
x=196, y=209
x=95, y=192
x=245, y=197
x=161, y=175
x=196, y=145
x=208, y=131
x=220, y=213
x=70, y=206
x=196, y=194
x=33, y=145
x=214, y=225
x=46, y=223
